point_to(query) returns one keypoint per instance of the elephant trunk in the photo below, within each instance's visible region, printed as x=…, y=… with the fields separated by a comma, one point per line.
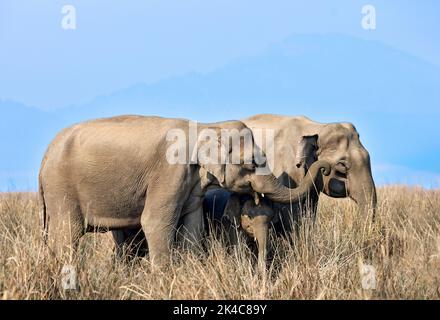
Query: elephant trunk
x=275, y=191
x=261, y=233
x=362, y=190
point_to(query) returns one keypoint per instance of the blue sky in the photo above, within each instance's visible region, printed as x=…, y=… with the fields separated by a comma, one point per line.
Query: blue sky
x=118, y=45
x=121, y=45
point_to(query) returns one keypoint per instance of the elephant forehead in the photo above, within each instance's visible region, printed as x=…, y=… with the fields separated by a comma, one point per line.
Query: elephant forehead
x=337, y=131
x=252, y=210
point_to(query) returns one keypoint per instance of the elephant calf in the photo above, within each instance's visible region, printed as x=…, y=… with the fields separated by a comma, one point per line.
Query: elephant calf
x=236, y=214
x=256, y=216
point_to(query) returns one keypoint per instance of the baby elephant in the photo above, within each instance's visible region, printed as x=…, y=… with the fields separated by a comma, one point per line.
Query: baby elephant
x=245, y=214
x=256, y=217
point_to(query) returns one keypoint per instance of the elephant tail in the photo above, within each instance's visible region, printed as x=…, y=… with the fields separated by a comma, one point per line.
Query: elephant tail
x=42, y=208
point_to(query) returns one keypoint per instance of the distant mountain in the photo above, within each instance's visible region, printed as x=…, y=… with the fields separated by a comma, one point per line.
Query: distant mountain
x=323, y=72
x=392, y=97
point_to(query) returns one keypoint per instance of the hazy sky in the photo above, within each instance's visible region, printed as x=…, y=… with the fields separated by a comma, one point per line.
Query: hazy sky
x=118, y=44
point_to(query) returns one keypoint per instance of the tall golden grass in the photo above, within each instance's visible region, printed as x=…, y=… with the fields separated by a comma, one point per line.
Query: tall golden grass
x=323, y=262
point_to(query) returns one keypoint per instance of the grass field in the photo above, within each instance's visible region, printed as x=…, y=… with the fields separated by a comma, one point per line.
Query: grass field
x=324, y=261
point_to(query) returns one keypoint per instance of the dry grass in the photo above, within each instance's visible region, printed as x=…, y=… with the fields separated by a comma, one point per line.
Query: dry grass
x=403, y=245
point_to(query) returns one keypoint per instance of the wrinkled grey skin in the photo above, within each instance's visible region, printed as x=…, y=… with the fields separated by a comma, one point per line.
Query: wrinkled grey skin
x=112, y=174
x=299, y=142
x=251, y=215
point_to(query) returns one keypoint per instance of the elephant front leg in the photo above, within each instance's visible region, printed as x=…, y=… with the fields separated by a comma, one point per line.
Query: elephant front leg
x=159, y=231
x=159, y=221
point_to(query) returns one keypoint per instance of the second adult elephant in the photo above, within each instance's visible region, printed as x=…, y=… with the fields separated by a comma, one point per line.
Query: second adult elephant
x=115, y=173
x=298, y=143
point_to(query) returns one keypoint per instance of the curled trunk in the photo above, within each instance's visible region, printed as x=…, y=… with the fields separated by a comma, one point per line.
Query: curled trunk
x=274, y=190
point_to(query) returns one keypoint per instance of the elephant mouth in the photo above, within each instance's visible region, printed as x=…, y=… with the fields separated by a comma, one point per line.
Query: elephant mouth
x=337, y=188
x=243, y=189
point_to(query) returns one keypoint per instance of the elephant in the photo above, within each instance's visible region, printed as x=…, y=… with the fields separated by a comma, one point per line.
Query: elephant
x=249, y=215
x=256, y=217
x=127, y=172
x=298, y=143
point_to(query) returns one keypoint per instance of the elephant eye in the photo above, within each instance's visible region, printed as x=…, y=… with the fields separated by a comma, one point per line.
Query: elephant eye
x=341, y=167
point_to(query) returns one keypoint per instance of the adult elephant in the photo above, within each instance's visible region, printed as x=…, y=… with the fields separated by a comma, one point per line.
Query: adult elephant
x=127, y=172
x=298, y=143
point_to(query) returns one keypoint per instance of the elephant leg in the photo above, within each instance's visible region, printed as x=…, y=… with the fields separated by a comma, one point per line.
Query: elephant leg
x=191, y=232
x=136, y=242
x=286, y=220
x=159, y=221
x=130, y=243
x=120, y=240
x=139, y=243
x=65, y=229
x=232, y=233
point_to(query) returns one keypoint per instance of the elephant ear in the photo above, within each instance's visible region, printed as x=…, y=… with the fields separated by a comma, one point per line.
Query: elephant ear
x=233, y=209
x=212, y=154
x=306, y=152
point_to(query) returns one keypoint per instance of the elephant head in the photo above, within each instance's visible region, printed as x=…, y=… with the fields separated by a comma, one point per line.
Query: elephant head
x=307, y=141
x=339, y=145
x=239, y=171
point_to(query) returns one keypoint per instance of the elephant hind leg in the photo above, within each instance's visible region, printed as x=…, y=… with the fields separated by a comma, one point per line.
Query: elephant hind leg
x=65, y=229
x=120, y=240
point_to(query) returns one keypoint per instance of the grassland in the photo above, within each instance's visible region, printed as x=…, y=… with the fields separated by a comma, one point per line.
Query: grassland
x=323, y=262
